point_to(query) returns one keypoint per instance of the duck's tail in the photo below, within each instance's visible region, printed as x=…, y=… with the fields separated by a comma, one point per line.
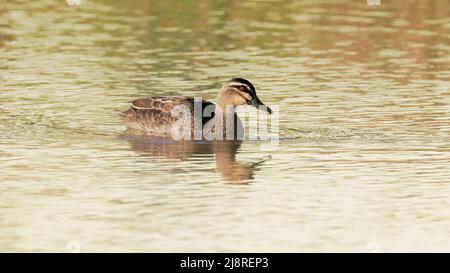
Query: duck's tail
x=126, y=116
x=120, y=113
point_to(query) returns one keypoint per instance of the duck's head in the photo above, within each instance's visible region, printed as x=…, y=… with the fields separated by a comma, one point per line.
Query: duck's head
x=239, y=91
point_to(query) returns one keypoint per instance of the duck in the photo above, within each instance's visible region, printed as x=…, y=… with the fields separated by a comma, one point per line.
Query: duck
x=183, y=117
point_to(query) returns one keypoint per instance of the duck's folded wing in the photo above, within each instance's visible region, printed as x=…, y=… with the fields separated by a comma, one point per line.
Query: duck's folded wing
x=152, y=114
x=166, y=104
x=156, y=115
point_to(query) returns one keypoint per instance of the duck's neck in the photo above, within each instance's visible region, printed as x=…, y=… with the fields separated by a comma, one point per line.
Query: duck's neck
x=224, y=107
x=223, y=125
x=225, y=121
x=225, y=111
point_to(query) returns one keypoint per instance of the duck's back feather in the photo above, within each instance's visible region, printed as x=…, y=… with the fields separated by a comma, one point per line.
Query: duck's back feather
x=155, y=115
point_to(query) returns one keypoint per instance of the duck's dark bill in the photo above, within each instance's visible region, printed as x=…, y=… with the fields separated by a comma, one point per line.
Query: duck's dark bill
x=257, y=103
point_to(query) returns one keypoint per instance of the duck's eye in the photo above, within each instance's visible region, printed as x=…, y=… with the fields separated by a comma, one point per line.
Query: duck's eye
x=242, y=88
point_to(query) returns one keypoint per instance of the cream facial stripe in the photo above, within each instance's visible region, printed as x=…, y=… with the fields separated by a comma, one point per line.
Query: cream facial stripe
x=237, y=84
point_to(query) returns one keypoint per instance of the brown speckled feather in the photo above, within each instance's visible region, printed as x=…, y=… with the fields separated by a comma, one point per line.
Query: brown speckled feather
x=152, y=115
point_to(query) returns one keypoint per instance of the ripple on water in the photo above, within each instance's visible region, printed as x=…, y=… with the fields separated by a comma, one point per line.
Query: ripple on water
x=364, y=124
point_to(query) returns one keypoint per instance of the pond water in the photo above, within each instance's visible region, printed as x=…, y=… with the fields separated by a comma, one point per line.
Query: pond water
x=363, y=161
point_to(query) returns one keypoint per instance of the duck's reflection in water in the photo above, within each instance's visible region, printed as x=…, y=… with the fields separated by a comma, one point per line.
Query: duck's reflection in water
x=223, y=151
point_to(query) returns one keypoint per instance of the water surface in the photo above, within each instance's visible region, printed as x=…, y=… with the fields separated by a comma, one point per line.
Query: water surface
x=364, y=156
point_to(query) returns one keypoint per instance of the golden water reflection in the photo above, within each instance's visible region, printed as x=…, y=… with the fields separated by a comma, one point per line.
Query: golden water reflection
x=224, y=152
x=364, y=152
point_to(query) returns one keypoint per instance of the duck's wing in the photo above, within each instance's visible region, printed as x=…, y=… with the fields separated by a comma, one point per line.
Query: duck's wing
x=166, y=104
x=155, y=115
